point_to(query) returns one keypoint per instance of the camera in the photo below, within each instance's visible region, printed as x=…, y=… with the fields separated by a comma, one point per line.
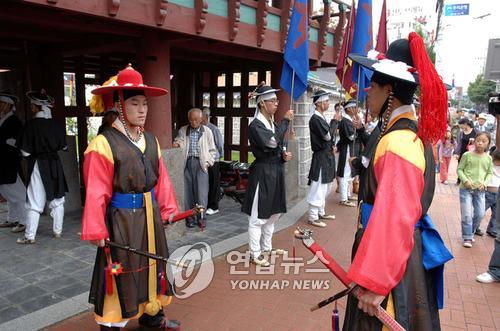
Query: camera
x=494, y=104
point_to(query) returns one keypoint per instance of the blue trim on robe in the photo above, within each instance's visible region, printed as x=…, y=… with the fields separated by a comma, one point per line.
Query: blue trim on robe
x=434, y=252
x=129, y=200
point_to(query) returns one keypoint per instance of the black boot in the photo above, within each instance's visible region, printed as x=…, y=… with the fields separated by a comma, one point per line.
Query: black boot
x=110, y=328
x=159, y=321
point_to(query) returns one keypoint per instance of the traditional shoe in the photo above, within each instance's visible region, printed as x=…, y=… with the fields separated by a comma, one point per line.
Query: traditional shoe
x=109, y=328
x=57, y=235
x=479, y=232
x=327, y=217
x=353, y=198
x=159, y=321
x=347, y=203
x=467, y=243
x=25, y=241
x=317, y=223
x=8, y=224
x=190, y=223
x=260, y=261
x=486, y=278
x=18, y=228
x=277, y=251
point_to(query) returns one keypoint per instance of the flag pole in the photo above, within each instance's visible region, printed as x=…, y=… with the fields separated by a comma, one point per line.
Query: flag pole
x=345, y=51
x=290, y=125
x=357, y=108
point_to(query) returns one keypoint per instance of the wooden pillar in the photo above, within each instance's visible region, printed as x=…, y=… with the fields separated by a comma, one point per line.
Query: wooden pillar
x=53, y=82
x=154, y=65
x=283, y=97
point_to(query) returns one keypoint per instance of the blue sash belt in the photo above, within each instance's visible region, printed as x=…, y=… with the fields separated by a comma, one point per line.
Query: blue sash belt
x=129, y=200
x=434, y=252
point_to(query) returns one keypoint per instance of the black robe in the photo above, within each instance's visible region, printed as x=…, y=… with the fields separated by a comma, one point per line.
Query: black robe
x=42, y=138
x=414, y=298
x=368, y=152
x=11, y=157
x=323, y=158
x=346, y=131
x=267, y=170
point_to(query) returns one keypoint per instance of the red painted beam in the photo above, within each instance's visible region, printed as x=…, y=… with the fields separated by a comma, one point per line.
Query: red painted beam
x=179, y=19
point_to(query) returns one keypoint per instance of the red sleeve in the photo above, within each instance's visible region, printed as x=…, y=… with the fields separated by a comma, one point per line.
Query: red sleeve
x=380, y=260
x=164, y=193
x=98, y=173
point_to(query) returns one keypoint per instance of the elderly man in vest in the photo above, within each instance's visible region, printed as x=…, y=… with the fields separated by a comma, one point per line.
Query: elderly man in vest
x=198, y=148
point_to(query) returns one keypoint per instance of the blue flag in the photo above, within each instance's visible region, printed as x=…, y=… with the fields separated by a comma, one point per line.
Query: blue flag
x=362, y=42
x=296, y=57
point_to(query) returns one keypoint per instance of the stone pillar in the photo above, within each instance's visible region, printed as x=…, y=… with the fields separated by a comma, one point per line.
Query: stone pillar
x=154, y=64
x=301, y=126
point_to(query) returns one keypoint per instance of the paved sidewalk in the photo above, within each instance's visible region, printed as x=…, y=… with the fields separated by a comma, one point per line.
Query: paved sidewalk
x=33, y=277
x=469, y=305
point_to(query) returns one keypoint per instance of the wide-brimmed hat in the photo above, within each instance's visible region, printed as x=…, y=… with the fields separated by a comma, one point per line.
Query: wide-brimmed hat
x=40, y=98
x=7, y=97
x=482, y=116
x=320, y=95
x=407, y=65
x=130, y=79
x=264, y=89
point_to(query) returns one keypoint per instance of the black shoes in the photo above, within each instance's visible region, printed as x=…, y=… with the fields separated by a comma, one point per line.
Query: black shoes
x=159, y=321
x=190, y=222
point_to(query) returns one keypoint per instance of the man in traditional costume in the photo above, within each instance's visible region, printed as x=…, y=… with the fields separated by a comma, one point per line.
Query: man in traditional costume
x=398, y=256
x=322, y=171
x=128, y=195
x=11, y=186
x=41, y=140
x=265, y=197
x=349, y=145
x=361, y=162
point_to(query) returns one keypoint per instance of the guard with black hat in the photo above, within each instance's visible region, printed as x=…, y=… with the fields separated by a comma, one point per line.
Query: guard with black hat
x=322, y=171
x=41, y=140
x=398, y=255
x=349, y=145
x=265, y=197
x=11, y=186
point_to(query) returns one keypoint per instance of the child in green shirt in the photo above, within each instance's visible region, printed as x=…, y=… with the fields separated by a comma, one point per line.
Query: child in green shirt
x=474, y=171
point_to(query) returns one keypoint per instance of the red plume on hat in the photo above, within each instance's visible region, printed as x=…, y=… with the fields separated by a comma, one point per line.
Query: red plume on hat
x=433, y=95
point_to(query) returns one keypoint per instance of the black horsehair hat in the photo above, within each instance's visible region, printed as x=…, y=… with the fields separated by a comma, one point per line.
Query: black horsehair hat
x=8, y=94
x=318, y=94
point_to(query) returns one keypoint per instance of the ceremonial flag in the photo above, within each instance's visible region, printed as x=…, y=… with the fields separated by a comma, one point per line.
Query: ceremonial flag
x=362, y=42
x=344, y=64
x=382, y=31
x=296, y=57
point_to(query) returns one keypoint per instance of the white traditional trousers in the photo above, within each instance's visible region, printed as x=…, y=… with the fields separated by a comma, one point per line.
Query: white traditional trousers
x=36, y=203
x=260, y=231
x=316, y=198
x=15, y=194
x=345, y=183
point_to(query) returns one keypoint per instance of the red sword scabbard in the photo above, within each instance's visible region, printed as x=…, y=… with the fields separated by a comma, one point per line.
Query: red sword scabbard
x=332, y=265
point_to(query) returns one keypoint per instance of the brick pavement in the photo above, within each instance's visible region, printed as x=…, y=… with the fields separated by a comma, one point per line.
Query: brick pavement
x=469, y=305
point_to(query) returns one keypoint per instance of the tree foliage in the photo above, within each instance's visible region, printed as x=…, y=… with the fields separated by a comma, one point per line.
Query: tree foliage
x=429, y=47
x=479, y=89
